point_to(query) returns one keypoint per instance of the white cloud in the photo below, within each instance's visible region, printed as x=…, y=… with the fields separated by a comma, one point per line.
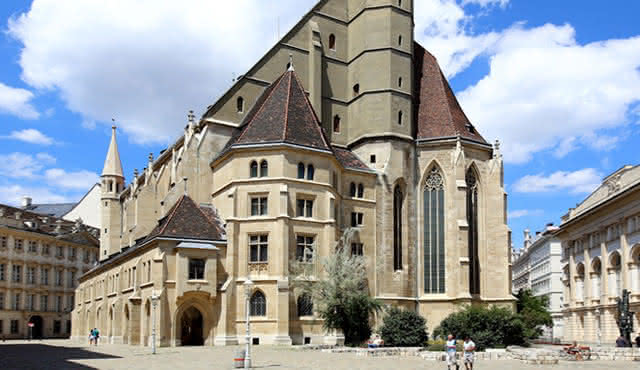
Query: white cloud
x=17, y=102
x=577, y=182
x=31, y=135
x=12, y=194
x=145, y=63
x=20, y=165
x=80, y=180
x=46, y=158
x=484, y=3
x=518, y=213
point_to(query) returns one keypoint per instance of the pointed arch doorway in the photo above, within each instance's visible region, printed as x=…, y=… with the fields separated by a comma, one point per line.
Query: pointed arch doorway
x=191, y=327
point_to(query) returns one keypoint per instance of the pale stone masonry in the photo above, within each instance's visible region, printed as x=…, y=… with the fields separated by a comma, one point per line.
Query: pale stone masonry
x=345, y=122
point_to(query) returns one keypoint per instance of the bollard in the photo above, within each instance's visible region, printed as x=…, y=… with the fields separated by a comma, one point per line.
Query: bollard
x=238, y=361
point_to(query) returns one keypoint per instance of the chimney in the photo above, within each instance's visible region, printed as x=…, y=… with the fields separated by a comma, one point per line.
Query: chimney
x=527, y=238
x=26, y=201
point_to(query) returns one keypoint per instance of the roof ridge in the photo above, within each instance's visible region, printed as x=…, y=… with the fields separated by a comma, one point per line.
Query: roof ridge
x=306, y=99
x=276, y=83
x=205, y=215
x=286, y=107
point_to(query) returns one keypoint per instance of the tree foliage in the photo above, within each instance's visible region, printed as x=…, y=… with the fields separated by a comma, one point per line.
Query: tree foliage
x=533, y=312
x=340, y=292
x=403, y=328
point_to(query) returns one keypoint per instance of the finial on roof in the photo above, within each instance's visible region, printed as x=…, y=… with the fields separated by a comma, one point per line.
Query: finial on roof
x=135, y=172
x=291, y=62
x=150, y=157
x=185, y=184
x=113, y=124
x=191, y=117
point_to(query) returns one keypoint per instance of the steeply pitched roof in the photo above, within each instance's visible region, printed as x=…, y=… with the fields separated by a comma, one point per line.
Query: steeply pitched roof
x=349, y=160
x=186, y=220
x=283, y=114
x=112, y=164
x=437, y=111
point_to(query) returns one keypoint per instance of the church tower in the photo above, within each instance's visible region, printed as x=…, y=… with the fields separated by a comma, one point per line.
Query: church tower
x=112, y=185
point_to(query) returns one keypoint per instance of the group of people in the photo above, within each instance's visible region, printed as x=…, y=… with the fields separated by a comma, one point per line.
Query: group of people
x=622, y=341
x=94, y=335
x=468, y=349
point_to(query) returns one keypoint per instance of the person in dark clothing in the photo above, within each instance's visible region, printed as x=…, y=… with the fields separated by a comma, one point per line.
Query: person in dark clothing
x=638, y=340
x=621, y=342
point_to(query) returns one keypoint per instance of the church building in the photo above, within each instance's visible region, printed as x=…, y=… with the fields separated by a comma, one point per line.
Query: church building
x=345, y=122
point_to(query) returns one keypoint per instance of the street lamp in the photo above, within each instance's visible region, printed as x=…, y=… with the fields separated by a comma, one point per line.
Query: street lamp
x=154, y=303
x=248, y=287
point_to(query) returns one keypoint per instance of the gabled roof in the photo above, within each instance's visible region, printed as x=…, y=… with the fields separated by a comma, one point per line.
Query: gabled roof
x=283, y=114
x=437, y=111
x=186, y=220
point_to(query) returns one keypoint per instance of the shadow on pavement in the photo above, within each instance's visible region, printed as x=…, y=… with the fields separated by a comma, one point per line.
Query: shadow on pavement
x=42, y=356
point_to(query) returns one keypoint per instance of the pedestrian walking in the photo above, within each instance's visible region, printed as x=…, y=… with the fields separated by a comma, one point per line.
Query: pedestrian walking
x=638, y=341
x=96, y=335
x=469, y=348
x=621, y=342
x=451, y=352
x=91, y=337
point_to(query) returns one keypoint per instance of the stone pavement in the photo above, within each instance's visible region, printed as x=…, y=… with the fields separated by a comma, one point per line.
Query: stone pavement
x=63, y=354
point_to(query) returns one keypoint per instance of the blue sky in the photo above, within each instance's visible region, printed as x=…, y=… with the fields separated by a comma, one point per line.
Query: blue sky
x=558, y=82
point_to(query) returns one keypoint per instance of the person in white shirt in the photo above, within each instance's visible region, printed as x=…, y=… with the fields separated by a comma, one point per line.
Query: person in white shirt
x=450, y=347
x=469, y=348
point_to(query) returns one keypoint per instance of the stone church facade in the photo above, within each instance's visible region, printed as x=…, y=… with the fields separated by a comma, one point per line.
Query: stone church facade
x=345, y=122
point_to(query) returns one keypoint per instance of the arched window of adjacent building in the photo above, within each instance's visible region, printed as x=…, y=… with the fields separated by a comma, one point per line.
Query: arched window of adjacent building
x=336, y=123
x=305, y=305
x=398, y=199
x=472, y=221
x=253, y=169
x=258, y=304
x=399, y=117
x=240, y=104
x=360, y=191
x=433, y=232
x=301, y=170
x=264, y=168
x=596, y=271
x=310, y=172
x=332, y=42
x=356, y=89
x=615, y=275
x=352, y=190
x=580, y=282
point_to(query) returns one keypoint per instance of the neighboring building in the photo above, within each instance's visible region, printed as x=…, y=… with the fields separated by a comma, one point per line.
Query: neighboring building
x=346, y=122
x=538, y=267
x=601, y=257
x=85, y=209
x=41, y=259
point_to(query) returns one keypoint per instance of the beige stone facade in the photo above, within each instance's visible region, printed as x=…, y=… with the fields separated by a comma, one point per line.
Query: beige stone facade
x=601, y=257
x=393, y=155
x=41, y=259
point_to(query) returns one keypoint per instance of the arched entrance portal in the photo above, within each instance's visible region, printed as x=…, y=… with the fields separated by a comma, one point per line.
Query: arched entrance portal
x=191, y=327
x=37, y=329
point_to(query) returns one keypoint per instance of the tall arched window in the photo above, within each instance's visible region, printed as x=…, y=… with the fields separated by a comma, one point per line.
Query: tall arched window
x=472, y=221
x=580, y=282
x=240, y=104
x=360, y=191
x=258, y=304
x=253, y=169
x=596, y=270
x=305, y=305
x=352, y=190
x=310, y=172
x=336, y=123
x=615, y=276
x=433, y=210
x=397, y=227
x=332, y=42
x=301, y=170
x=264, y=168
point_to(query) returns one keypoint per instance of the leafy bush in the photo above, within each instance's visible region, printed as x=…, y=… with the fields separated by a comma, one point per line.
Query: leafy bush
x=534, y=313
x=488, y=327
x=402, y=328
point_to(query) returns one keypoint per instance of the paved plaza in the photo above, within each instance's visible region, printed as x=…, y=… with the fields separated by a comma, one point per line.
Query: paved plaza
x=63, y=354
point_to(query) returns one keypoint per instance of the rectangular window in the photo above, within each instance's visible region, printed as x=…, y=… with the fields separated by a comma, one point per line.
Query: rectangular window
x=70, y=302
x=357, y=249
x=356, y=219
x=259, y=206
x=1, y=301
x=258, y=248
x=58, y=277
x=56, y=326
x=33, y=246
x=45, y=250
x=44, y=276
x=196, y=269
x=72, y=279
x=304, y=248
x=44, y=303
x=2, y=267
x=16, y=302
x=14, y=326
x=18, y=244
x=31, y=302
x=3, y=242
x=73, y=252
x=304, y=208
x=59, y=251
x=17, y=273
x=68, y=326
x=59, y=303
x=31, y=275
x=1, y=326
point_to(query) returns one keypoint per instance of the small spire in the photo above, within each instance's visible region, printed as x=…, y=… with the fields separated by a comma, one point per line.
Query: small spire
x=191, y=117
x=150, y=157
x=185, y=185
x=291, y=69
x=135, y=173
x=112, y=164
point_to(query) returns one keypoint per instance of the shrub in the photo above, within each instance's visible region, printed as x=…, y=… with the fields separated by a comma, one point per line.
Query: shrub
x=402, y=328
x=488, y=327
x=534, y=313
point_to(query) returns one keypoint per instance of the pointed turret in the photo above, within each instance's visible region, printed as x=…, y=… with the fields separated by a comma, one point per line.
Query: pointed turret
x=112, y=165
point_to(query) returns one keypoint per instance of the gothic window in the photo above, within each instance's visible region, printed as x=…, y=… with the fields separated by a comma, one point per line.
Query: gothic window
x=264, y=169
x=301, y=169
x=310, y=172
x=352, y=190
x=360, y=191
x=433, y=210
x=472, y=221
x=253, y=169
x=240, y=104
x=258, y=304
x=336, y=124
x=305, y=305
x=397, y=228
x=332, y=42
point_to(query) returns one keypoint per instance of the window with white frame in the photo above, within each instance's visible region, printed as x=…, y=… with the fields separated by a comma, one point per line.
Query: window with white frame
x=33, y=246
x=196, y=268
x=44, y=276
x=58, y=277
x=17, y=273
x=356, y=219
x=16, y=302
x=259, y=206
x=305, y=248
x=304, y=208
x=258, y=251
x=31, y=275
x=31, y=302
x=59, y=303
x=44, y=303
x=18, y=244
x=357, y=249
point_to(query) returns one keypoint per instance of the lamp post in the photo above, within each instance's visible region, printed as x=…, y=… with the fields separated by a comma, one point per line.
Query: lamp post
x=248, y=287
x=154, y=303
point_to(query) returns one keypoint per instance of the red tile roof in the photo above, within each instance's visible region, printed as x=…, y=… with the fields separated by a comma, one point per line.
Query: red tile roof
x=349, y=160
x=186, y=220
x=437, y=111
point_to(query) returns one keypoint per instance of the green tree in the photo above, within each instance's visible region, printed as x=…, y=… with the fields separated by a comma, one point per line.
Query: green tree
x=340, y=293
x=534, y=312
x=403, y=328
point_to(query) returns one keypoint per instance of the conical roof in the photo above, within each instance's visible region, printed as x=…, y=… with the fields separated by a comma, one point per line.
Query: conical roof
x=112, y=165
x=283, y=114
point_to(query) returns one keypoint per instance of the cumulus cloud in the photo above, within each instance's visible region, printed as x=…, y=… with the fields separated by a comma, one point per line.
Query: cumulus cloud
x=30, y=135
x=145, y=63
x=518, y=213
x=20, y=165
x=80, y=180
x=576, y=182
x=17, y=102
x=12, y=194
